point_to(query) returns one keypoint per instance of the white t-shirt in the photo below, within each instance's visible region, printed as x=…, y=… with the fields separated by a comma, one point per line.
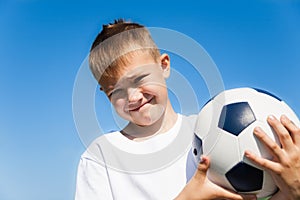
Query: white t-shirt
x=114, y=167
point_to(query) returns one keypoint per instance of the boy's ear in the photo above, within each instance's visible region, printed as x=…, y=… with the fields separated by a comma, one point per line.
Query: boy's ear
x=165, y=64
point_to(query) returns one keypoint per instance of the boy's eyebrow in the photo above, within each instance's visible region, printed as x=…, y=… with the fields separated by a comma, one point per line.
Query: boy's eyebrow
x=138, y=76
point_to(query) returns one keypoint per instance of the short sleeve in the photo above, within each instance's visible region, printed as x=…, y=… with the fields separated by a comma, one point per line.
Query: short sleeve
x=92, y=181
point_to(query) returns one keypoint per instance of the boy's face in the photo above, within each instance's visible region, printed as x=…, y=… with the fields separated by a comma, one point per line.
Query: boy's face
x=139, y=95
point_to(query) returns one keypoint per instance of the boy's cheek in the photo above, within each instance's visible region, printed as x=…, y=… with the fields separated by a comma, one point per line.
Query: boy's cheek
x=117, y=103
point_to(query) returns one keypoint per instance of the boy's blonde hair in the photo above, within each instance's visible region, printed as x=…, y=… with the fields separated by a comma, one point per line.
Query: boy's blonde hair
x=115, y=45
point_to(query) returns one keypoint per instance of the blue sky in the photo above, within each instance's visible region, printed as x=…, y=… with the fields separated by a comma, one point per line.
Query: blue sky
x=43, y=43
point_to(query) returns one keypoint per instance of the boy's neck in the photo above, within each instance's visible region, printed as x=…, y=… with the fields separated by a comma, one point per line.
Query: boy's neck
x=139, y=133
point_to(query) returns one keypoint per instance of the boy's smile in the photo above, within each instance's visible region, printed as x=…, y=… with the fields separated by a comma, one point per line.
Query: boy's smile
x=139, y=105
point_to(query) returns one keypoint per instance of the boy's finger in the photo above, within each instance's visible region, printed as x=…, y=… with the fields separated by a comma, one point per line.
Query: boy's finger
x=262, y=162
x=282, y=133
x=292, y=128
x=202, y=168
x=271, y=145
x=249, y=197
x=230, y=195
x=222, y=193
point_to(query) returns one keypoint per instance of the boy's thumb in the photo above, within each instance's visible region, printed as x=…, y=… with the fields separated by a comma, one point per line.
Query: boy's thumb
x=202, y=167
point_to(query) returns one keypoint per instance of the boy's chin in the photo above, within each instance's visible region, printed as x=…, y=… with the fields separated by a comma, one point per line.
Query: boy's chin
x=148, y=118
x=144, y=121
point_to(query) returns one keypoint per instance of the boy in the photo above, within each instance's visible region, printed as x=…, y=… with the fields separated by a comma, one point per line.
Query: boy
x=130, y=70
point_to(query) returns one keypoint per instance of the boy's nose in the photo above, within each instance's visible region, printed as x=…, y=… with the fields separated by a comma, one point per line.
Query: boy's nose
x=134, y=95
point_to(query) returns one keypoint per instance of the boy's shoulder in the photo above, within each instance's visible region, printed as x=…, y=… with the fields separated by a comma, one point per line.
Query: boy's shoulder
x=94, y=150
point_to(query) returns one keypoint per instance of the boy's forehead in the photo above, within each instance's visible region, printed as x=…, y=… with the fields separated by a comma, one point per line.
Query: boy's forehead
x=138, y=58
x=135, y=63
x=134, y=71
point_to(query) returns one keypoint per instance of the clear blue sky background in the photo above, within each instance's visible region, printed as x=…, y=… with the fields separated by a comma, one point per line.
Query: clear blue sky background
x=43, y=43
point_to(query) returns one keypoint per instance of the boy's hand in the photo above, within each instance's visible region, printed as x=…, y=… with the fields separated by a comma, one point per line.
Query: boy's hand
x=201, y=188
x=285, y=165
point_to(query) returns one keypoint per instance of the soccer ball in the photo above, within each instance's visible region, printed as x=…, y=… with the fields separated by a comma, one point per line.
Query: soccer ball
x=224, y=130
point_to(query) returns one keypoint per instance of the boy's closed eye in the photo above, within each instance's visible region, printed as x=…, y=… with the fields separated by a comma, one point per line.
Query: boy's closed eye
x=140, y=78
x=114, y=92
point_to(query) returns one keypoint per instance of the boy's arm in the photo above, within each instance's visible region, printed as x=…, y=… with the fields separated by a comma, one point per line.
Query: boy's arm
x=285, y=165
x=92, y=182
x=201, y=188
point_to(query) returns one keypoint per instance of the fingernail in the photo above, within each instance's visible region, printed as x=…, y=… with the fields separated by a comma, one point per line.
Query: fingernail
x=271, y=117
x=257, y=129
x=201, y=159
x=284, y=118
x=247, y=153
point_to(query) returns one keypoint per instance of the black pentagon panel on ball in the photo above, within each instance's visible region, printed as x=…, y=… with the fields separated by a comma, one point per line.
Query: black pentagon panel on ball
x=268, y=93
x=236, y=117
x=245, y=178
